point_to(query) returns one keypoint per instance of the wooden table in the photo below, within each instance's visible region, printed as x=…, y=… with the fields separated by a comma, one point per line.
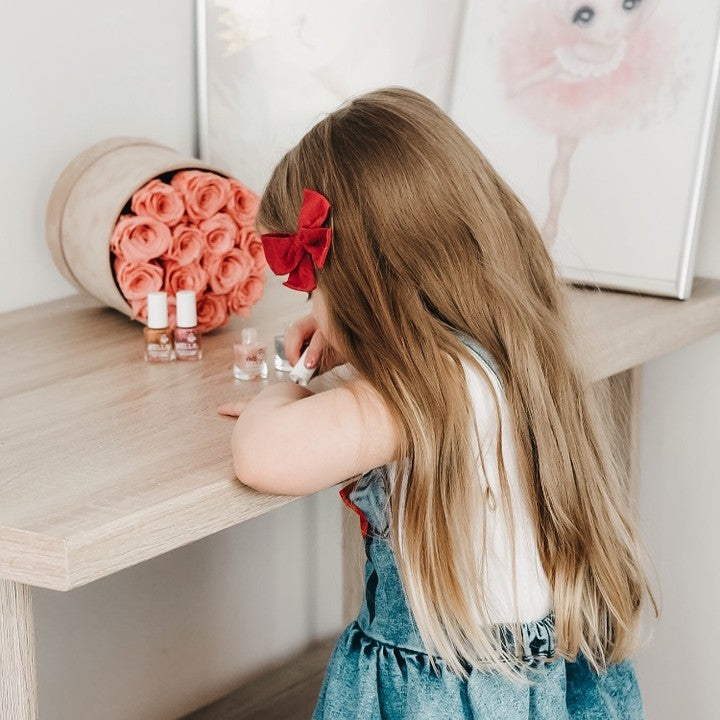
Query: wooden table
x=108, y=461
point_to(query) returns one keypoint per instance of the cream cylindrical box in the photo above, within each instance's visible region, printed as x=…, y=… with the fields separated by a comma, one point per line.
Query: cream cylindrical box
x=87, y=200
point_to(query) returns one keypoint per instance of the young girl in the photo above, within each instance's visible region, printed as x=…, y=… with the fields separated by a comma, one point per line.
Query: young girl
x=502, y=576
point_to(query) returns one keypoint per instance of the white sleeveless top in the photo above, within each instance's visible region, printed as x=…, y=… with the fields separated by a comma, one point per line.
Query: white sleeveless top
x=534, y=596
x=533, y=599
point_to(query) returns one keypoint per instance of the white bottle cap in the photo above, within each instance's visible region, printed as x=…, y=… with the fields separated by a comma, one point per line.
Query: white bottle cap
x=157, y=310
x=248, y=335
x=185, y=309
x=300, y=374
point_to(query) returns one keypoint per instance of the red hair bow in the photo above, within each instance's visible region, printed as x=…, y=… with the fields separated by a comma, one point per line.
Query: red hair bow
x=298, y=253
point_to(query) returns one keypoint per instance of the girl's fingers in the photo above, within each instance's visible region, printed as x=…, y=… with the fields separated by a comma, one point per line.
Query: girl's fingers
x=296, y=336
x=234, y=409
x=315, y=348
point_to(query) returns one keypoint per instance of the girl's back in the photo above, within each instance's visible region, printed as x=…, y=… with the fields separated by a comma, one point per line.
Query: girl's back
x=380, y=668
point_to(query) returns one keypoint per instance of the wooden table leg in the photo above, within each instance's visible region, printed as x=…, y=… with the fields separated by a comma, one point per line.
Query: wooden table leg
x=18, y=682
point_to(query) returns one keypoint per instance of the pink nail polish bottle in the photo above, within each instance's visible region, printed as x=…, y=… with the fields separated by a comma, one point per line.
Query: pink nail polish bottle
x=186, y=335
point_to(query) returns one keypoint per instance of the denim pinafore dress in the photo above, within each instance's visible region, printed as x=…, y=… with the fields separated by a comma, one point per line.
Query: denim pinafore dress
x=379, y=669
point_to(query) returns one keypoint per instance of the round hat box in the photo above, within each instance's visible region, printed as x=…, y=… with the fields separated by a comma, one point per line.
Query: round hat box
x=87, y=200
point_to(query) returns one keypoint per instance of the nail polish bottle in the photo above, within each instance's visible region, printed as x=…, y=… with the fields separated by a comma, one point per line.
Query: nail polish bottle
x=250, y=356
x=157, y=336
x=281, y=362
x=186, y=335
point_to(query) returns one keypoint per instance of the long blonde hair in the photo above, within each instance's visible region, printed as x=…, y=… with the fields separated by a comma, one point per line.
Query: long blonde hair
x=428, y=241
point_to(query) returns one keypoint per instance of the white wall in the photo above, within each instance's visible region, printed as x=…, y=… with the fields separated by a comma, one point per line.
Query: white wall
x=679, y=497
x=72, y=73
x=167, y=636
x=161, y=639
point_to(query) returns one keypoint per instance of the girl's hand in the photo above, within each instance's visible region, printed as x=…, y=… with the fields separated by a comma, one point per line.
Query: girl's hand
x=234, y=408
x=274, y=394
x=298, y=335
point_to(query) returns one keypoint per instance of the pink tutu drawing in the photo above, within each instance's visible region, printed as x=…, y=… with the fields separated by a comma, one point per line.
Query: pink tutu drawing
x=575, y=68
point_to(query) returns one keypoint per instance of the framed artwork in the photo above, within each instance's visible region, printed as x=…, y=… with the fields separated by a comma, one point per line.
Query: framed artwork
x=600, y=115
x=268, y=71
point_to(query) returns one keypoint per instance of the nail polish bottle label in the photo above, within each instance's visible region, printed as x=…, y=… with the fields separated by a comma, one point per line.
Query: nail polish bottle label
x=250, y=361
x=187, y=344
x=158, y=346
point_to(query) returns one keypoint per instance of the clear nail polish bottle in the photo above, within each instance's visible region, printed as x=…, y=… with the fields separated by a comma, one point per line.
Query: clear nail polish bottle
x=157, y=335
x=250, y=356
x=281, y=362
x=186, y=335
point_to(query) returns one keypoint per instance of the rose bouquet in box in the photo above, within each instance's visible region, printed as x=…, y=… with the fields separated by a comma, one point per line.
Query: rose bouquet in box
x=190, y=230
x=129, y=215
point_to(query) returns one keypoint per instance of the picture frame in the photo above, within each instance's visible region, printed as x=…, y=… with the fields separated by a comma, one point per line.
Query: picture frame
x=609, y=151
x=268, y=71
x=634, y=178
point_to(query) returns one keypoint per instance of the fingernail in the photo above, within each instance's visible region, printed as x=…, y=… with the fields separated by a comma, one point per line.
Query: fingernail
x=310, y=361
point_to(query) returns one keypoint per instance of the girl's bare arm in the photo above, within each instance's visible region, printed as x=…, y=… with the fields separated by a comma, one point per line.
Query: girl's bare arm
x=290, y=441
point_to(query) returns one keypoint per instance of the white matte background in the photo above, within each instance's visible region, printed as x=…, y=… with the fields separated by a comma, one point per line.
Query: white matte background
x=158, y=640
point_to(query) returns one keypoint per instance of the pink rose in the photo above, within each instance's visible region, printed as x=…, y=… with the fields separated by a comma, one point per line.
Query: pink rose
x=220, y=233
x=139, y=239
x=203, y=193
x=160, y=201
x=243, y=203
x=246, y=236
x=211, y=312
x=139, y=310
x=185, y=277
x=243, y=296
x=187, y=245
x=136, y=280
x=258, y=255
x=228, y=270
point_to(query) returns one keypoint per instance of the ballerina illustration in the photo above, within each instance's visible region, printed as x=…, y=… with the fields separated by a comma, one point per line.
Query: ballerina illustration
x=574, y=68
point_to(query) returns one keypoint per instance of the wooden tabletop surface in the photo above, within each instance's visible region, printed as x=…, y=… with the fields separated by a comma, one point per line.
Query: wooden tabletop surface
x=108, y=461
